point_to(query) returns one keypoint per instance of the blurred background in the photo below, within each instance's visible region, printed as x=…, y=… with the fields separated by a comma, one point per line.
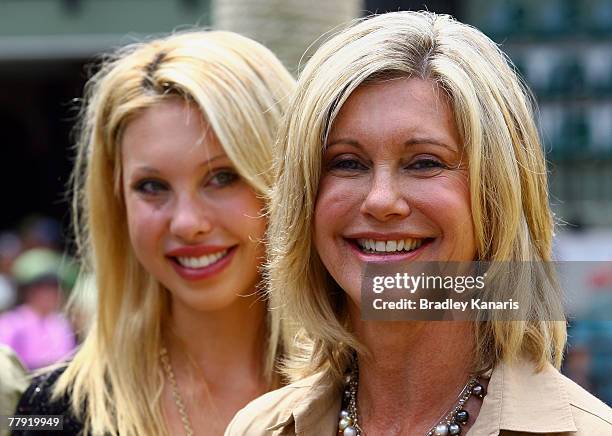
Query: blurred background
x=562, y=48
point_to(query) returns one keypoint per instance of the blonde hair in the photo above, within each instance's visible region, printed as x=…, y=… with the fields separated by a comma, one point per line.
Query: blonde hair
x=241, y=88
x=507, y=180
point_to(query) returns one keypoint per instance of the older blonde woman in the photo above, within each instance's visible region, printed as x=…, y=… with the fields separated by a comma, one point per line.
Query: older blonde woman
x=170, y=188
x=411, y=138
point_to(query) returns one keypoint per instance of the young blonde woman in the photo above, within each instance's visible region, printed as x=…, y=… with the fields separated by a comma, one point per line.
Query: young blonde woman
x=170, y=188
x=410, y=139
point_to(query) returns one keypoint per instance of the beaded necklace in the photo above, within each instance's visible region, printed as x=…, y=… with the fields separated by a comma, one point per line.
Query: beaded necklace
x=449, y=425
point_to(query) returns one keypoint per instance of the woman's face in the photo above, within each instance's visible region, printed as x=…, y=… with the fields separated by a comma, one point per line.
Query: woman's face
x=194, y=224
x=394, y=187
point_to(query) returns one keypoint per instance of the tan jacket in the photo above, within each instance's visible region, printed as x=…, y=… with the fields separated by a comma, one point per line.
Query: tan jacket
x=13, y=381
x=518, y=402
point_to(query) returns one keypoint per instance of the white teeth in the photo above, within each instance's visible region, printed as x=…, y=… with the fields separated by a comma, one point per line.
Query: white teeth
x=408, y=244
x=201, y=262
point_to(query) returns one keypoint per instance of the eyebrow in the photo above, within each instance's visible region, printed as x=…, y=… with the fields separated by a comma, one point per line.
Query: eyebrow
x=429, y=141
x=344, y=141
x=408, y=143
x=152, y=170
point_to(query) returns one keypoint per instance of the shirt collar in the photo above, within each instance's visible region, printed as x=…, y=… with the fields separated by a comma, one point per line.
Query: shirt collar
x=522, y=400
x=316, y=411
x=318, y=414
x=518, y=399
x=286, y=416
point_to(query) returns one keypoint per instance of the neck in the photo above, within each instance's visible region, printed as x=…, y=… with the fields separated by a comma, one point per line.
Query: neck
x=414, y=374
x=230, y=340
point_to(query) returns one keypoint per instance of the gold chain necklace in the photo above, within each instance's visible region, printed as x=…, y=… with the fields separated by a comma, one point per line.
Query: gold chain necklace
x=178, y=400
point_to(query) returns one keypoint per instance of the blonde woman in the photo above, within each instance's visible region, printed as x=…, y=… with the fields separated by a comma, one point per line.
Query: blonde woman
x=410, y=138
x=171, y=181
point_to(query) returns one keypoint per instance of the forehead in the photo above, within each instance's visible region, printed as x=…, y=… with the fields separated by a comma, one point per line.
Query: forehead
x=172, y=113
x=171, y=130
x=396, y=110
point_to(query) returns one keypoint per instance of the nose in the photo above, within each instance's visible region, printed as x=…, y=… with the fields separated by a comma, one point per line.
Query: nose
x=190, y=219
x=385, y=200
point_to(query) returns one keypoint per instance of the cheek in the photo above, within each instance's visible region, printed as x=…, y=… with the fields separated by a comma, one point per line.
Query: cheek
x=338, y=202
x=144, y=225
x=254, y=230
x=337, y=207
x=245, y=221
x=449, y=205
x=445, y=199
x=456, y=202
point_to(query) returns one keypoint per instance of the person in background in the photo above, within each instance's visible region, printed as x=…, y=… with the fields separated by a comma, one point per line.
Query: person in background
x=589, y=355
x=36, y=329
x=39, y=231
x=13, y=381
x=10, y=248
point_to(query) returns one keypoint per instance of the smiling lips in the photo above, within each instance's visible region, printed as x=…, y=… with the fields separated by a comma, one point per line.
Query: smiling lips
x=200, y=262
x=401, y=245
x=381, y=248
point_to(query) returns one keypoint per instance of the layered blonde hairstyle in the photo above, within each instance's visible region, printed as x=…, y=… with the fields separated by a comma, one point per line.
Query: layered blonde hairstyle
x=242, y=89
x=493, y=112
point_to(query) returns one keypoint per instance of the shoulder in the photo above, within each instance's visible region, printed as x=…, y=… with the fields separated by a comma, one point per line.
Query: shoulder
x=37, y=397
x=37, y=400
x=591, y=415
x=273, y=410
x=13, y=381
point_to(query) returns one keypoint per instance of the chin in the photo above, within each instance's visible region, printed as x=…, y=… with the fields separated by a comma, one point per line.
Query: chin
x=211, y=303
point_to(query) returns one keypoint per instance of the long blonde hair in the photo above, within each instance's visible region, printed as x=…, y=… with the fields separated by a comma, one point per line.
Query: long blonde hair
x=507, y=175
x=241, y=88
